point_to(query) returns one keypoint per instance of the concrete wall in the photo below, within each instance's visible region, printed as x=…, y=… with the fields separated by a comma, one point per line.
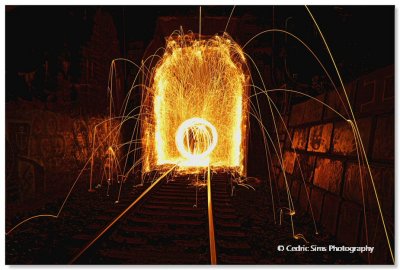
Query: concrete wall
x=45, y=150
x=325, y=147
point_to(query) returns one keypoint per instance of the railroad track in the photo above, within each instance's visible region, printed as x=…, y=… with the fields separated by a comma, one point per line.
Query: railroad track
x=171, y=225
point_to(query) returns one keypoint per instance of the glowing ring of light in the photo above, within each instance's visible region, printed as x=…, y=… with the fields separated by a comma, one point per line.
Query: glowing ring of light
x=180, y=134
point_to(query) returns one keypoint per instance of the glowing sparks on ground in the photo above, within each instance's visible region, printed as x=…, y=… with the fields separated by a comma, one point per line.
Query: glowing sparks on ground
x=202, y=79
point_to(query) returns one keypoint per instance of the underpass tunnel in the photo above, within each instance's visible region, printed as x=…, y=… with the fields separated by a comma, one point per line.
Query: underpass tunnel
x=316, y=159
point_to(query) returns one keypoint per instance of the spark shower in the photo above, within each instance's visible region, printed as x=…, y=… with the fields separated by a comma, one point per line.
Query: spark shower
x=197, y=96
x=204, y=80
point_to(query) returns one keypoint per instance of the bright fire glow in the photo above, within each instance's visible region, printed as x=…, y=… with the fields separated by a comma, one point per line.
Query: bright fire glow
x=195, y=139
x=202, y=82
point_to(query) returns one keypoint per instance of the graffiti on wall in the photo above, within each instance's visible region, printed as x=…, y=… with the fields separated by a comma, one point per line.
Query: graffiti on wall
x=54, y=142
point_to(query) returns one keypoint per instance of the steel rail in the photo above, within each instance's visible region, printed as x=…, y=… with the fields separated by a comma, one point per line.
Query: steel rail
x=121, y=215
x=213, y=252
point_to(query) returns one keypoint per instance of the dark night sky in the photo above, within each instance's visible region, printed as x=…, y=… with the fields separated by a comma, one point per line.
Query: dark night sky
x=359, y=36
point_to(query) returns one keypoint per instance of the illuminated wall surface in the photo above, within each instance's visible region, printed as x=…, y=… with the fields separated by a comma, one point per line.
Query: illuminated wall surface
x=205, y=80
